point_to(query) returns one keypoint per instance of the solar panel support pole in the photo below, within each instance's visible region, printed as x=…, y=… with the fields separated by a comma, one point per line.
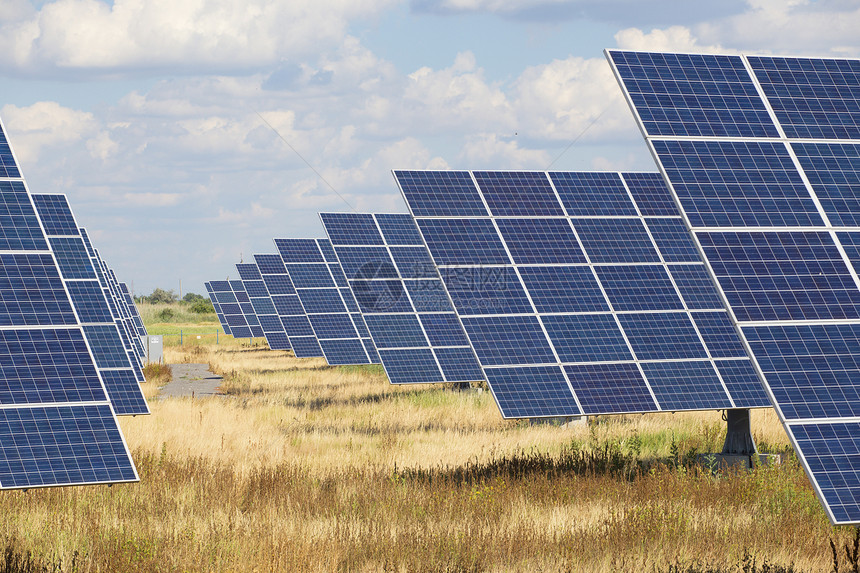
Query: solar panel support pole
x=739, y=441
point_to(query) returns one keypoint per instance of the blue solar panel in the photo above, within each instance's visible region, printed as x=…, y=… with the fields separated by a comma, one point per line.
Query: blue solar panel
x=586, y=338
x=124, y=391
x=299, y=251
x=31, y=292
x=518, y=193
x=587, y=291
x=89, y=301
x=792, y=292
x=812, y=98
x=652, y=196
x=782, y=275
x=397, y=229
x=563, y=289
x=235, y=323
x=639, y=287
x=541, y=241
x=19, y=226
x=72, y=257
x=610, y=388
x=413, y=365
x=62, y=445
x=45, y=366
x=833, y=169
x=743, y=183
x=56, y=215
x=463, y=241
x=693, y=95
x=830, y=451
x=107, y=346
x=593, y=194
x=616, y=241
x=440, y=193
x=524, y=392
x=332, y=312
x=685, y=385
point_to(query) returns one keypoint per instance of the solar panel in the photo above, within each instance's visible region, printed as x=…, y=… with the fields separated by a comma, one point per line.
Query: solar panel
x=327, y=300
x=573, y=314
x=264, y=308
x=401, y=298
x=57, y=426
x=132, y=307
x=217, y=306
x=290, y=311
x=771, y=196
x=119, y=373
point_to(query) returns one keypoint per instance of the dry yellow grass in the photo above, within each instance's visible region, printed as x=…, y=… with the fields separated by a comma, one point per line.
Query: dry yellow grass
x=300, y=466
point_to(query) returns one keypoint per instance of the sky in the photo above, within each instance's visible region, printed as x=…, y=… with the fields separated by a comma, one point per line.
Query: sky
x=189, y=133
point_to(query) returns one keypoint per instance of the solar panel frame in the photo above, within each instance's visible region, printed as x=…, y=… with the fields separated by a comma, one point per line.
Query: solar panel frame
x=787, y=344
x=341, y=333
x=377, y=244
x=523, y=339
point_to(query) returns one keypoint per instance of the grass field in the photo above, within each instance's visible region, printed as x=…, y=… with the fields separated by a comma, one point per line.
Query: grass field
x=305, y=467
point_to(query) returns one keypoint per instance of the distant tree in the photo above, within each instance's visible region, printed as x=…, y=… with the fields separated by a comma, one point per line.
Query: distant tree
x=161, y=296
x=193, y=297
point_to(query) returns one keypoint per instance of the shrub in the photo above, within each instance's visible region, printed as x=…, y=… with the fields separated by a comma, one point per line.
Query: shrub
x=202, y=307
x=166, y=315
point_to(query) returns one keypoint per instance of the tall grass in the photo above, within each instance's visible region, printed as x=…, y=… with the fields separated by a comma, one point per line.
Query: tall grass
x=304, y=467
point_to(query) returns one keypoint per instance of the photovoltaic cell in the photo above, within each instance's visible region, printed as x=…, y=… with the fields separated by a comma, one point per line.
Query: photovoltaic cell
x=777, y=221
x=402, y=299
x=581, y=295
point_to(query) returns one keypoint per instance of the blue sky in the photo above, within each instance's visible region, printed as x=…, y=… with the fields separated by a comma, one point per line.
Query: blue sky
x=147, y=113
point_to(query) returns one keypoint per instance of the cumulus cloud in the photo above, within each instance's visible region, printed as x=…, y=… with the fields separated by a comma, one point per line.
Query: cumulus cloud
x=197, y=36
x=46, y=124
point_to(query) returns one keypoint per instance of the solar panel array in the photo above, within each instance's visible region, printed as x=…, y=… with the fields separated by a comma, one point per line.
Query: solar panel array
x=246, y=307
x=234, y=317
x=761, y=153
x=132, y=343
x=217, y=306
x=119, y=371
x=57, y=425
x=328, y=302
x=581, y=293
x=264, y=308
x=290, y=311
x=402, y=298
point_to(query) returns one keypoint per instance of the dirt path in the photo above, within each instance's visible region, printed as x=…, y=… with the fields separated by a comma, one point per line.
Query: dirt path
x=191, y=380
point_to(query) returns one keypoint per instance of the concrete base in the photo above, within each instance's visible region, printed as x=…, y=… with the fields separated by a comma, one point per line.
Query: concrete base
x=722, y=462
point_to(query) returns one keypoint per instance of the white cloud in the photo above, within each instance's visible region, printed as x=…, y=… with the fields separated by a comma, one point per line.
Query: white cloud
x=488, y=151
x=673, y=39
x=569, y=98
x=195, y=35
x=457, y=98
x=45, y=124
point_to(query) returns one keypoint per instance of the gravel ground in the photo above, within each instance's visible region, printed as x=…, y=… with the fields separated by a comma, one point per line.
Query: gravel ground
x=193, y=380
